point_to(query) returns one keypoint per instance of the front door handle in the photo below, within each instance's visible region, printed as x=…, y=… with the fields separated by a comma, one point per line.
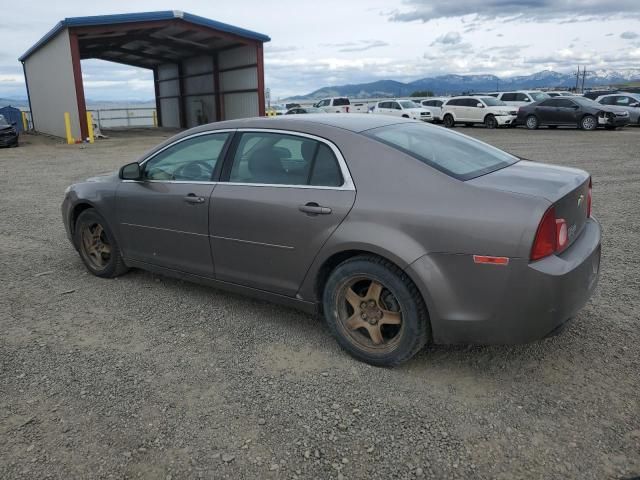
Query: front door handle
x=193, y=198
x=312, y=208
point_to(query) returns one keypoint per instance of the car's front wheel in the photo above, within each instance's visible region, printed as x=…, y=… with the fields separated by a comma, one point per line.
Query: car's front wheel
x=97, y=245
x=532, y=122
x=448, y=121
x=490, y=121
x=375, y=311
x=588, y=122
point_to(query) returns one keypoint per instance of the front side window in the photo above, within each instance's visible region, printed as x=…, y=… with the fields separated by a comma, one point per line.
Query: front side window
x=624, y=101
x=191, y=160
x=408, y=104
x=280, y=159
x=508, y=97
x=456, y=155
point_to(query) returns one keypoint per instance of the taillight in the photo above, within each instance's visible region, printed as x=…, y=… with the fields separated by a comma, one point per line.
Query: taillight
x=589, y=200
x=552, y=236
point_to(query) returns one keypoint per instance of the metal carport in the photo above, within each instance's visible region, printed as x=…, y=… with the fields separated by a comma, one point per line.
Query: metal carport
x=203, y=70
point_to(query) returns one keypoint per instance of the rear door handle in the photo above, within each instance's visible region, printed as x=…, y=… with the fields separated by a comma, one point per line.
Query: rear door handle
x=312, y=208
x=192, y=198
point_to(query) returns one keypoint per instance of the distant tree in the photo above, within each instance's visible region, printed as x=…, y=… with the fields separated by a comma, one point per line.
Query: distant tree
x=422, y=93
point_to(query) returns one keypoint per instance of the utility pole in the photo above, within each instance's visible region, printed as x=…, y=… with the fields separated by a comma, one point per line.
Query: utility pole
x=584, y=74
x=577, y=79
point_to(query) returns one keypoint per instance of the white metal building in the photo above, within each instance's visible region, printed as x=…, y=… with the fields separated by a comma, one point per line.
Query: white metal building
x=204, y=71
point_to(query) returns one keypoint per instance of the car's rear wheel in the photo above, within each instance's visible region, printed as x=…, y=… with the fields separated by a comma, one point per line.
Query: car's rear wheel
x=375, y=311
x=588, y=122
x=490, y=121
x=448, y=121
x=532, y=122
x=97, y=245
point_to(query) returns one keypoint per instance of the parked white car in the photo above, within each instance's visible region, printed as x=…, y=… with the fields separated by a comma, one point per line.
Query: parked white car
x=340, y=105
x=521, y=98
x=470, y=110
x=434, y=105
x=403, y=108
x=559, y=93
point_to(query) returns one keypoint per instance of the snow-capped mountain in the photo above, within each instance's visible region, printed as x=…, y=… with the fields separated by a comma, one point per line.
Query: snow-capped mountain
x=455, y=84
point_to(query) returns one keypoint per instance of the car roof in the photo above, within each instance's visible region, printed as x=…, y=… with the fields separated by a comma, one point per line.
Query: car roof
x=355, y=122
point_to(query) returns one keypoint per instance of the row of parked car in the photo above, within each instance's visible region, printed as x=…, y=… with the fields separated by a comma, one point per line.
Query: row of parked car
x=530, y=108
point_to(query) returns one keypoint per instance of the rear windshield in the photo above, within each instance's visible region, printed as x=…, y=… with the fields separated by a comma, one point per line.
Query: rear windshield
x=537, y=96
x=455, y=154
x=409, y=104
x=338, y=102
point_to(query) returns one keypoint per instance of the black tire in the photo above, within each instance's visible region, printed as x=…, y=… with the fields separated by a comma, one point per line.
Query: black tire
x=448, y=121
x=589, y=122
x=532, y=122
x=100, y=263
x=490, y=121
x=397, y=295
x=553, y=126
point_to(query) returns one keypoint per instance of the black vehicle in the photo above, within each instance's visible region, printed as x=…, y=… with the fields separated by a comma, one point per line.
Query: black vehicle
x=574, y=111
x=289, y=106
x=8, y=133
x=299, y=109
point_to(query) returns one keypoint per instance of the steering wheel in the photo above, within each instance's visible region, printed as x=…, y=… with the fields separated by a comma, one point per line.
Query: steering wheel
x=188, y=170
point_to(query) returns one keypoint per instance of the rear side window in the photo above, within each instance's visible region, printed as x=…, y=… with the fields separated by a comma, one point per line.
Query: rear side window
x=339, y=102
x=456, y=155
x=508, y=97
x=280, y=159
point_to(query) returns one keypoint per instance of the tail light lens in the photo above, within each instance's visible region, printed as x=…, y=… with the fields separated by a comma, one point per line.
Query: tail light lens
x=589, y=200
x=551, y=237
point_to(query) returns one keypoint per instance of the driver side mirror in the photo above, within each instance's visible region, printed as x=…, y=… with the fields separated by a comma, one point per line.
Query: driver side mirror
x=479, y=105
x=637, y=104
x=131, y=171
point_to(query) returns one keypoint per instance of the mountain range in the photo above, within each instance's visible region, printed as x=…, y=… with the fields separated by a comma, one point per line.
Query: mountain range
x=456, y=84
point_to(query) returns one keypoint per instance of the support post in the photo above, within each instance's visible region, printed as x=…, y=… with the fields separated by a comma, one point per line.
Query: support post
x=77, y=77
x=260, y=71
x=25, y=122
x=90, y=124
x=67, y=128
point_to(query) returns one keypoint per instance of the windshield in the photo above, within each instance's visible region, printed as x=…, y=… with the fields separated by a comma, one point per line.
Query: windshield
x=409, y=104
x=3, y=121
x=537, y=96
x=492, y=102
x=456, y=155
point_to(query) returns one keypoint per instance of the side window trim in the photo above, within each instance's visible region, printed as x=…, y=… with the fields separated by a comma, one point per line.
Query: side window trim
x=217, y=169
x=347, y=180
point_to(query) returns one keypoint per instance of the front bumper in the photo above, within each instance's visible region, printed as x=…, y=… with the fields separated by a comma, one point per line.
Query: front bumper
x=519, y=303
x=8, y=140
x=616, y=121
x=506, y=119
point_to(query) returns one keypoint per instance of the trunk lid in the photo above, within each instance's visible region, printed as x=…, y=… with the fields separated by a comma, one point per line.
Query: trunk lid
x=566, y=188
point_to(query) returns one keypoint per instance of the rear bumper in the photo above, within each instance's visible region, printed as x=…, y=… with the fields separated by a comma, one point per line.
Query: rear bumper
x=518, y=303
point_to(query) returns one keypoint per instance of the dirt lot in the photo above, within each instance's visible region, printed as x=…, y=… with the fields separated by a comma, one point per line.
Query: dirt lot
x=151, y=377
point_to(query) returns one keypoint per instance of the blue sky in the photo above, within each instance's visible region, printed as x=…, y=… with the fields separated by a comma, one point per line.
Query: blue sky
x=315, y=44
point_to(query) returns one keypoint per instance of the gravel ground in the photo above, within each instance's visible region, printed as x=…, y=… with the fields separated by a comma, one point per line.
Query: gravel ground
x=150, y=377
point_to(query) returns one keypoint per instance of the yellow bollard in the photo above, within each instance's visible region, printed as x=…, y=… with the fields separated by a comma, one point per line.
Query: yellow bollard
x=25, y=122
x=155, y=118
x=67, y=127
x=90, y=126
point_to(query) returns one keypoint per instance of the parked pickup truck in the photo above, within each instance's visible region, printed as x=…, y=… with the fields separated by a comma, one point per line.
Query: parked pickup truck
x=341, y=105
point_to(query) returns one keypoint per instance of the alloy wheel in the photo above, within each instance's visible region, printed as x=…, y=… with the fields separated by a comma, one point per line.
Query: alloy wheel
x=370, y=314
x=588, y=123
x=95, y=245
